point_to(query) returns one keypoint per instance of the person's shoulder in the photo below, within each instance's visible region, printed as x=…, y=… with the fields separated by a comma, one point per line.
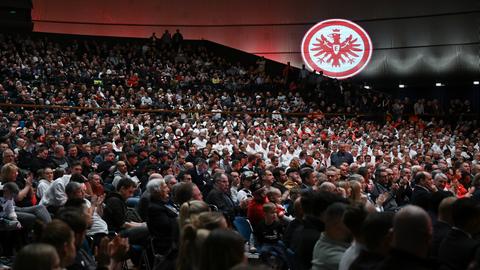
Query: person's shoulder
x=214, y=193
x=113, y=197
x=420, y=190
x=156, y=205
x=61, y=181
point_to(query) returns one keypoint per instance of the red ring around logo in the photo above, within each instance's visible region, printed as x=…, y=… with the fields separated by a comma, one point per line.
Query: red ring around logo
x=365, y=57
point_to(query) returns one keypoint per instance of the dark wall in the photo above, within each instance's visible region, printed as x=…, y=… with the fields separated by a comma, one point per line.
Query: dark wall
x=414, y=40
x=15, y=16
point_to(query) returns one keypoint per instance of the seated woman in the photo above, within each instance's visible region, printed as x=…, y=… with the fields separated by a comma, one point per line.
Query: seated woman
x=194, y=234
x=189, y=210
x=27, y=211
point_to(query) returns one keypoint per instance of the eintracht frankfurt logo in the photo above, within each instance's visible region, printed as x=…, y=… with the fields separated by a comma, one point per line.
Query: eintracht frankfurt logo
x=339, y=48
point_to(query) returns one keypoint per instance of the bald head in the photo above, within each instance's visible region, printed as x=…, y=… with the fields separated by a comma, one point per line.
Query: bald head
x=412, y=230
x=188, y=166
x=155, y=176
x=445, y=210
x=328, y=187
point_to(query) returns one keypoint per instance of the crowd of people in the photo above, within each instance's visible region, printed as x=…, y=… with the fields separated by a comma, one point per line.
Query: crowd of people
x=110, y=184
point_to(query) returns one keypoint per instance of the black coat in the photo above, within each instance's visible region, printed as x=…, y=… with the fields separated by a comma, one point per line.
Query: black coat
x=304, y=240
x=366, y=261
x=115, y=211
x=203, y=181
x=457, y=250
x=142, y=206
x=163, y=226
x=390, y=204
x=476, y=194
x=421, y=197
x=402, y=260
x=440, y=231
x=223, y=202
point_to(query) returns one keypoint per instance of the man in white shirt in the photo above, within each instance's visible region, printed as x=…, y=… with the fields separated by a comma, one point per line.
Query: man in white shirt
x=200, y=141
x=55, y=195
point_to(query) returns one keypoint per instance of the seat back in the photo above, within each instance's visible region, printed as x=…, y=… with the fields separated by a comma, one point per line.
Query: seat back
x=243, y=226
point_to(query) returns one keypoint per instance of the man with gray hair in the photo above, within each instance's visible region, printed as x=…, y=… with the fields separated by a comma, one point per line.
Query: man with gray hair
x=220, y=196
x=8, y=156
x=412, y=233
x=59, y=159
x=75, y=190
x=327, y=187
x=155, y=185
x=356, y=177
x=170, y=180
x=441, y=181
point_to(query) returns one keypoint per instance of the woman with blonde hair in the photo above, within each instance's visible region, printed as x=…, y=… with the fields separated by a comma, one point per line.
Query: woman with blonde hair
x=345, y=186
x=189, y=210
x=25, y=200
x=194, y=234
x=9, y=173
x=210, y=221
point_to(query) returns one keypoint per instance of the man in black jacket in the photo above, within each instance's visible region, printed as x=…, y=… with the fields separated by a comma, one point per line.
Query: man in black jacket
x=412, y=233
x=116, y=212
x=220, y=196
x=304, y=237
x=162, y=218
x=201, y=177
x=423, y=190
x=458, y=249
x=341, y=156
x=382, y=186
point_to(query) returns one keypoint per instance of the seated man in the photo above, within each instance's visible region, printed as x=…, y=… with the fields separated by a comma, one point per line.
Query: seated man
x=377, y=240
x=412, y=233
x=122, y=219
x=78, y=223
x=55, y=195
x=116, y=213
x=458, y=249
x=76, y=195
x=220, y=196
x=58, y=234
x=334, y=241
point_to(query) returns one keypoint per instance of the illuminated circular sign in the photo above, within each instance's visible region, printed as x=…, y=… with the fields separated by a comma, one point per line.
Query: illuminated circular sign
x=339, y=48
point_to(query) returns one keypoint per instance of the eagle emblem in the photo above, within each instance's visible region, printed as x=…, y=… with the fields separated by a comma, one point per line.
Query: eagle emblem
x=339, y=48
x=334, y=51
